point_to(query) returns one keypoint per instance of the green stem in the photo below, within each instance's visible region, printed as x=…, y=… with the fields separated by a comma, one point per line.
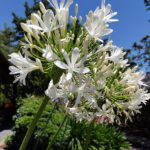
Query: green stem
x=89, y=131
x=50, y=144
x=33, y=125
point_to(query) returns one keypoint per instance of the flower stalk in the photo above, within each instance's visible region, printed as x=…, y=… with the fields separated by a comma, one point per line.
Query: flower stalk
x=33, y=124
x=50, y=144
x=85, y=147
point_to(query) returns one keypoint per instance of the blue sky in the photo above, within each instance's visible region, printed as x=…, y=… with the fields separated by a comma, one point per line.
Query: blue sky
x=132, y=15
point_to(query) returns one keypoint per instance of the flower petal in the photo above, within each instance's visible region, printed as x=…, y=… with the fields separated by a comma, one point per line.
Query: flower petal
x=89, y=97
x=78, y=99
x=82, y=70
x=66, y=57
x=55, y=4
x=35, y=27
x=62, y=3
x=75, y=55
x=39, y=20
x=60, y=64
x=69, y=76
x=69, y=2
x=81, y=61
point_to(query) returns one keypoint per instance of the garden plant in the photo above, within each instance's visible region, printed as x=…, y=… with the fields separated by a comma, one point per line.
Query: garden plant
x=89, y=79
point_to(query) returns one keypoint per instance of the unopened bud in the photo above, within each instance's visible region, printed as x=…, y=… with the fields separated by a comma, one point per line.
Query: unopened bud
x=26, y=28
x=90, y=15
x=73, y=20
x=135, y=68
x=80, y=19
x=71, y=32
x=130, y=89
x=73, y=36
x=76, y=9
x=39, y=13
x=108, y=67
x=108, y=73
x=85, y=45
x=35, y=34
x=42, y=7
x=29, y=37
x=78, y=41
x=116, y=82
x=34, y=20
x=57, y=34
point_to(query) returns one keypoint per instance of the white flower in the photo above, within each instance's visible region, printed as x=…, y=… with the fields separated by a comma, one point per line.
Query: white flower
x=106, y=111
x=52, y=90
x=72, y=66
x=133, y=78
x=83, y=91
x=117, y=56
x=108, y=14
x=64, y=83
x=48, y=53
x=140, y=96
x=49, y=23
x=96, y=23
x=22, y=66
x=62, y=10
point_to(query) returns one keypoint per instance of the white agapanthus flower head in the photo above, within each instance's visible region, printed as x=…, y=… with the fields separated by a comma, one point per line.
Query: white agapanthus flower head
x=90, y=79
x=96, y=24
x=22, y=66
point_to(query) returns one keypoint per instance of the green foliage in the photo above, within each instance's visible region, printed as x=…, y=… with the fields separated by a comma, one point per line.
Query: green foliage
x=36, y=83
x=140, y=53
x=102, y=137
x=6, y=39
x=3, y=99
x=5, y=94
x=46, y=127
x=72, y=135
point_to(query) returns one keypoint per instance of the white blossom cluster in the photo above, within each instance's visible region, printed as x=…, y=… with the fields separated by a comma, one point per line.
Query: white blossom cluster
x=89, y=78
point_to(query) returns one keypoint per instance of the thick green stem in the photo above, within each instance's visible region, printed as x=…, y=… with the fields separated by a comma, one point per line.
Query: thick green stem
x=50, y=144
x=88, y=135
x=33, y=124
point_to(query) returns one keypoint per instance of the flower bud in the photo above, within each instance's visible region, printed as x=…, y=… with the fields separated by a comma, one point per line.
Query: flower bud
x=73, y=36
x=135, y=68
x=116, y=82
x=130, y=89
x=34, y=21
x=86, y=44
x=29, y=37
x=26, y=28
x=90, y=15
x=78, y=41
x=35, y=34
x=80, y=19
x=39, y=13
x=57, y=35
x=42, y=7
x=76, y=9
x=39, y=64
